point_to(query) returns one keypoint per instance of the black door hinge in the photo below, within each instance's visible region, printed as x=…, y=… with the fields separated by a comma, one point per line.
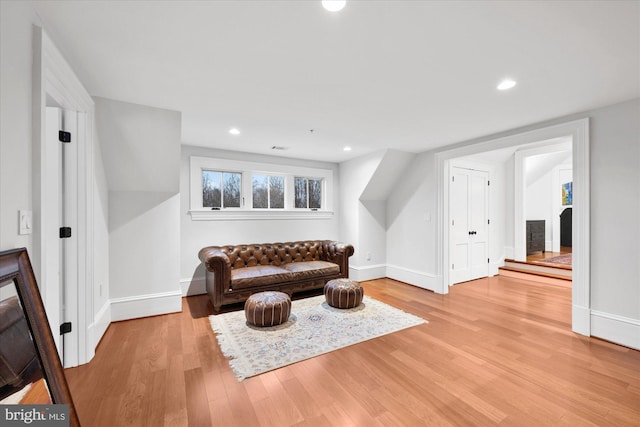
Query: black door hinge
x=64, y=136
x=65, y=328
x=65, y=232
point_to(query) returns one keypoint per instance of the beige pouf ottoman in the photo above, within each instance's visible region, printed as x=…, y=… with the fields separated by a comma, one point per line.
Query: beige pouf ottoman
x=267, y=308
x=343, y=293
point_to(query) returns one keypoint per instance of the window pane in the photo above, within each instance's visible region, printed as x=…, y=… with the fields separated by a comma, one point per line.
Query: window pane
x=211, y=189
x=315, y=193
x=276, y=192
x=301, y=192
x=231, y=198
x=260, y=191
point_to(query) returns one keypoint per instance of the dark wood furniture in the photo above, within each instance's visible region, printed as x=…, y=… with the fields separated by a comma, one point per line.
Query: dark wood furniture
x=535, y=236
x=566, y=227
x=17, y=278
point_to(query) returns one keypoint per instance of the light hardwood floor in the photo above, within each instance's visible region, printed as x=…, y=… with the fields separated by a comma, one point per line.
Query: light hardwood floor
x=496, y=351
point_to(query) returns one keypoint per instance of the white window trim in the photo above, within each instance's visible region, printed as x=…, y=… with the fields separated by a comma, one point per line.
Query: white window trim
x=246, y=212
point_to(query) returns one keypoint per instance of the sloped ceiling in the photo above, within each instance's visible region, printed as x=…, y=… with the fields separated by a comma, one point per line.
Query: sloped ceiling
x=386, y=176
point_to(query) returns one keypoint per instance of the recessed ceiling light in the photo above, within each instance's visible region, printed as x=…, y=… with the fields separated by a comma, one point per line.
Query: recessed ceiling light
x=506, y=84
x=347, y=148
x=234, y=131
x=334, y=5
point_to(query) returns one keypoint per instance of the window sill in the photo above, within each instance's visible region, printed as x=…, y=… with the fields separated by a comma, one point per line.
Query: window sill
x=241, y=215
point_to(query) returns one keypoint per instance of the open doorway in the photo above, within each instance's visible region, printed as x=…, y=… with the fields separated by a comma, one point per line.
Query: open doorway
x=577, y=133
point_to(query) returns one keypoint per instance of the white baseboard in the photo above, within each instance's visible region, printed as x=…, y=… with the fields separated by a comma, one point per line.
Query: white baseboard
x=96, y=330
x=145, y=305
x=618, y=329
x=548, y=245
x=195, y=286
x=369, y=272
x=412, y=277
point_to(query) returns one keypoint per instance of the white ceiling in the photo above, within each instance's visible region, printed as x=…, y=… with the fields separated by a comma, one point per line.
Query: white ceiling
x=408, y=75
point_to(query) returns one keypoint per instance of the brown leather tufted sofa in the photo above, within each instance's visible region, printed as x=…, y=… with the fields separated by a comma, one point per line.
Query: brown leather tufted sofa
x=233, y=273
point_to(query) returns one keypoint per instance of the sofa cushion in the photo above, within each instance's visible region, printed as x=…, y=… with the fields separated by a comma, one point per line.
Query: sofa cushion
x=311, y=269
x=259, y=275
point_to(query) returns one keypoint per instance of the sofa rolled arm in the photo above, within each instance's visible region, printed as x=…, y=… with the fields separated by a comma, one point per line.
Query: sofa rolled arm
x=215, y=260
x=339, y=253
x=344, y=249
x=218, y=274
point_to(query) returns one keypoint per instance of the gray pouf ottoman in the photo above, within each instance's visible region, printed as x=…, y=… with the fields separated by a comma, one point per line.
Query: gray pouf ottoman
x=343, y=293
x=267, y=308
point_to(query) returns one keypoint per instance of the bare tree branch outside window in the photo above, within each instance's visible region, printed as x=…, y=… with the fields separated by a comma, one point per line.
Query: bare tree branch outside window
x=211, y=189
x=268, y=191
x=260, y=191
x=308, y=193
x=315, y=193
x=276, y=192
x=221, y=189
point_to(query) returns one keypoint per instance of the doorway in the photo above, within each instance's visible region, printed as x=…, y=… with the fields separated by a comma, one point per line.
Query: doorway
x=578, y=132
x=54, y=84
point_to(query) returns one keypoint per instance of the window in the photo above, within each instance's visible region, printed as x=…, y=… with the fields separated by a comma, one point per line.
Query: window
x=221, y=189
x=268, y=192
x=308, y=193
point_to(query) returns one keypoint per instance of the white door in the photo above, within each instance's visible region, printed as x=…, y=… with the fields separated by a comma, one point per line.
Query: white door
x=469, y=227
x=60, y=276
x=51, y=275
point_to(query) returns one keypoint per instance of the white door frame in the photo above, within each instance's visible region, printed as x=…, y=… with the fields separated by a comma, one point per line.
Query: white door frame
x=52, y=77
x=578, y=130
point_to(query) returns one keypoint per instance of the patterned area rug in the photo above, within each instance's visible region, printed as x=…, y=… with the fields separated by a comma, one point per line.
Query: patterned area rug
x=314, y=328
x=565, y=259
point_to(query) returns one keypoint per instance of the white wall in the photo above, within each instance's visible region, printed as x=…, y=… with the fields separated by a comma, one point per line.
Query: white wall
x=141, y=152
x=197, y=234
x=538, y=203
x=411, y=225
x=101, y=282
x=16, y=172
x=615, y=210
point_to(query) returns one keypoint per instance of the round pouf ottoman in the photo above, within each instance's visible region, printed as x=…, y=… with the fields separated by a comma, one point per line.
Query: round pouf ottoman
x=343, y=293
x=269, y=308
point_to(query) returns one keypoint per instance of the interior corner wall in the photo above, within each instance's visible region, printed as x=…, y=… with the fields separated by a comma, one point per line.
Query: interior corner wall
x=500, y=210
x=101, y=260
x=16, y=170
x=140, y=148
x=411, y=225
x=197, y=234
x=363, y=223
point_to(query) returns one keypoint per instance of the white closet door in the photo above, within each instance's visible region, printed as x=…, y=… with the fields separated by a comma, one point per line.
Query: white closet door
x=469, y=232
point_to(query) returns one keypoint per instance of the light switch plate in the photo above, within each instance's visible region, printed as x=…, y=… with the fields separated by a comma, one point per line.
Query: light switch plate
x=25, y=222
